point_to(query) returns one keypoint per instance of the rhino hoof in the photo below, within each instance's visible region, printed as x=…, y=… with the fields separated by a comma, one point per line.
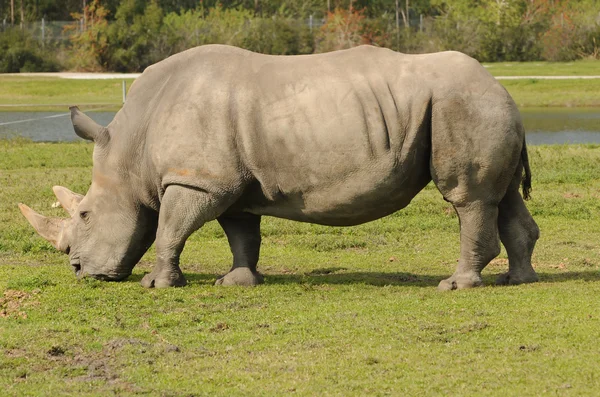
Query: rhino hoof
x=164, y=280
x=516, y=279
x=241, y=276
x=460, y=282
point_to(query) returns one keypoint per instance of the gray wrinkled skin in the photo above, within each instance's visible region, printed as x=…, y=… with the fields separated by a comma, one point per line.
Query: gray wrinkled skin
x=336, y=139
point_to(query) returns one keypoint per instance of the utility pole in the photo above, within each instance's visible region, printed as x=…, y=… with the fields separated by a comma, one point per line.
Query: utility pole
x=407, y=16
x=84, y=28
x=12, y=12
x=397, y=27
x=22, y=15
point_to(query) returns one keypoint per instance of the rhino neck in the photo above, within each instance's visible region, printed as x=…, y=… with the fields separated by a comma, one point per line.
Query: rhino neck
x=123, y=163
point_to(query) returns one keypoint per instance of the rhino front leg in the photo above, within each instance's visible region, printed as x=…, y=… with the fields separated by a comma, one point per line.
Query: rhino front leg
x=479, y=244
x=243, y=234
x=183, y=210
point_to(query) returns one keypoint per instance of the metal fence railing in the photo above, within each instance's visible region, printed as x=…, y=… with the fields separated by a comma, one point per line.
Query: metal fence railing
x=45, y=31
x=54, y=31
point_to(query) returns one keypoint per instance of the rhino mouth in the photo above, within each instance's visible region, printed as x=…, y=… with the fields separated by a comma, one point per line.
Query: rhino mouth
x=76, y=265
x=80, y=273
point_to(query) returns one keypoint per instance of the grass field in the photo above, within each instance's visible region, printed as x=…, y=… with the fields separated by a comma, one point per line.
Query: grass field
x=91, y=94
x=576, y=68
x=60, y=93
x=554, y=93
x=344, y=311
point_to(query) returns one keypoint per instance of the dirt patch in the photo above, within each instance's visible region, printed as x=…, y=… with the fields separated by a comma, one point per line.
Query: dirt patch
x=450, y=212
x=325, y=271
x=219, y=327
x=498, y=262
x=119, y=343
x=103, y=366
x=13, y=301
x=56, y=351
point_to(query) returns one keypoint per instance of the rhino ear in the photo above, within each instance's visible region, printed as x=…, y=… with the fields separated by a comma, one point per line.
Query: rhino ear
x=87, y=128
x=52, y=229
x=68, y=199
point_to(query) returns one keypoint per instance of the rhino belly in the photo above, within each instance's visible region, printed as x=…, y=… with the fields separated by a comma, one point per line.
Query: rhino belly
x=366, y=194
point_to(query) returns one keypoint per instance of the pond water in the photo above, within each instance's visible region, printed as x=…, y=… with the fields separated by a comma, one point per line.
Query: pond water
x=543, y=125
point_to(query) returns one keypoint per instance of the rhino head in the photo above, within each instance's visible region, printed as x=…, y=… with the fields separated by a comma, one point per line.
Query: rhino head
x=108, y=230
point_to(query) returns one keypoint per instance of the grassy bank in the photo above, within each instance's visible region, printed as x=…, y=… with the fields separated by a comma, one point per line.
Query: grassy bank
x=554, y=93
x=344, y=311
x=39, y=92
x=575, y=68
x=527, y=93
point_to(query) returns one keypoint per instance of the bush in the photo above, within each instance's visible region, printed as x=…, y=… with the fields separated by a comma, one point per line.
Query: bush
x=20, y=52
x=87, y=47
x=342, y=29
x=134, y=40
x=278, y=36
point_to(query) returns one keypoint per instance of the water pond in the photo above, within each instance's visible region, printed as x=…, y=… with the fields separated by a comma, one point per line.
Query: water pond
x=543, y=125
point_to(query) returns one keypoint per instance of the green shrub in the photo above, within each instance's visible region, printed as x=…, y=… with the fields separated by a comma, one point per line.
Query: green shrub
x=19, y=52
x=278, y=36
x=134, y=39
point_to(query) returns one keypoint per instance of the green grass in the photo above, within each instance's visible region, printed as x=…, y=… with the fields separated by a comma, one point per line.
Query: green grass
x=344, y=311
x=576, y=68
x=95, y=93
x=60, y=93
x=554, y=93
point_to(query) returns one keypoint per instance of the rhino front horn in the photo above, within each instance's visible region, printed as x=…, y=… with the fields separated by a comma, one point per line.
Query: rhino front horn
x=52, y=229
x=87, y=128
x=67, y=199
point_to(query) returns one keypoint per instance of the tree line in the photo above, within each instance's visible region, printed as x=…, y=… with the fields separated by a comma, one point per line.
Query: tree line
x=129, y=35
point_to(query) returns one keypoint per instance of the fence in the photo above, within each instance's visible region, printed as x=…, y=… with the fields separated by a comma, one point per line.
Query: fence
x=45, y=31
x=54, y=31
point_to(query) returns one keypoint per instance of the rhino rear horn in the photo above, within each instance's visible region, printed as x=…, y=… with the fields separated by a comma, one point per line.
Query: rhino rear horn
x=87, y=128
x=52, y=229
x=67, y=199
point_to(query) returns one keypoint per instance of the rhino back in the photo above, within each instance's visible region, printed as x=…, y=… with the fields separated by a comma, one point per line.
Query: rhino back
x=339, y=138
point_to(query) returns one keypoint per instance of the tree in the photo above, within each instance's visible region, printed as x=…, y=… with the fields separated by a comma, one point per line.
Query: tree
x=89, y=44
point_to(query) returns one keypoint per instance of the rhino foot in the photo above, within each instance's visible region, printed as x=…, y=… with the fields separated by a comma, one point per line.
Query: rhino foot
x=241, y=276
x=517, y=278
x=460, y=281
x=164, y=279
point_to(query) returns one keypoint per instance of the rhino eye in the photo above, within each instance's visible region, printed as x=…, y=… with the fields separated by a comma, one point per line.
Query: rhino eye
x=84, y=215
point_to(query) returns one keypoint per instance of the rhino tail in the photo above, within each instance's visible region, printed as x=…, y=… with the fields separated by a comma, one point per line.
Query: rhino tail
x=526, y=182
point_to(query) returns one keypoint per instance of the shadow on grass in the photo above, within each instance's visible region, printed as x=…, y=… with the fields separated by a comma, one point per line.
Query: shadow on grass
x=340, y=277
x=588, y=275
x=349, y=278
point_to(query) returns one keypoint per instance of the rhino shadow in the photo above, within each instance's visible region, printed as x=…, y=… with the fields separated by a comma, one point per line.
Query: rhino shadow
x=330, y=276
x=586, y=275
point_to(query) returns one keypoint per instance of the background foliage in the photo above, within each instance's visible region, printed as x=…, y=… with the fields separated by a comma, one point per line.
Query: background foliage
x=110, y=35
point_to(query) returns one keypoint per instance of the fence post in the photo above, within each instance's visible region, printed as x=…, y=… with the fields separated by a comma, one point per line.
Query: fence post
x=124, y=90
x=421, y=23
x=43, y=31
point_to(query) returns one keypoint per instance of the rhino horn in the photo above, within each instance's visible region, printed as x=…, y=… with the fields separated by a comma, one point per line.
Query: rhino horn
x=87, y=128
x=52, y=229
x=67, y=199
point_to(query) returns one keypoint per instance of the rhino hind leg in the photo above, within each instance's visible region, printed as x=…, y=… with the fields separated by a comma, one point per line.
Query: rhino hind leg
x=519, y=233
x=183, y=210
x=243, y=234
x=479, y=244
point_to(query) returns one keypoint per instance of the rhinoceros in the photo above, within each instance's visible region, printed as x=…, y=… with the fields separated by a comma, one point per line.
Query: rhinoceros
x=339, y=139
